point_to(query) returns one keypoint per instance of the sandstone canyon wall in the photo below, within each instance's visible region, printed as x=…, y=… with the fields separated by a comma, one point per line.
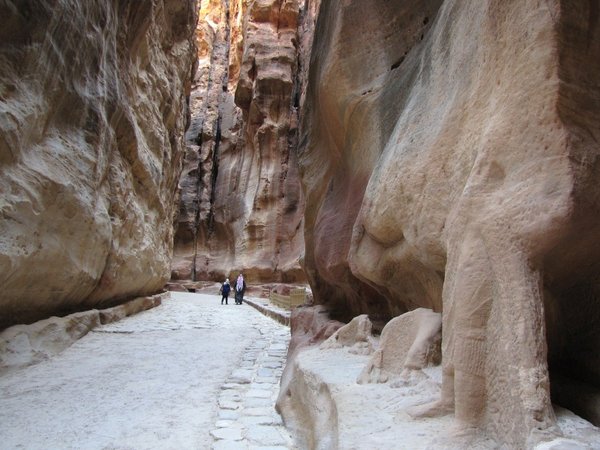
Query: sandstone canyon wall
x=449, y=158
x=241, y=200
x=93, y=102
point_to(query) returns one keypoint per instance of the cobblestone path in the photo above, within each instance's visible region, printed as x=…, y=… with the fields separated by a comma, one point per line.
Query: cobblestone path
x=189, y=374
x=247, y=418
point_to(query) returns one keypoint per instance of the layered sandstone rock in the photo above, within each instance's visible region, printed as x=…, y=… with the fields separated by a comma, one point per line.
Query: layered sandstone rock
x=200, y=163
x=93, y=101
x=448, y=153
x=241, y=198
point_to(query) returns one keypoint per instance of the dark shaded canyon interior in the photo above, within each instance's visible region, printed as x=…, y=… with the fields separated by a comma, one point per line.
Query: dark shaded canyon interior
x=393, y=155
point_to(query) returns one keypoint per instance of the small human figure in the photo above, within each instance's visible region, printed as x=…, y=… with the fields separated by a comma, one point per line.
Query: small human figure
x=240, y=287
x=225, y=288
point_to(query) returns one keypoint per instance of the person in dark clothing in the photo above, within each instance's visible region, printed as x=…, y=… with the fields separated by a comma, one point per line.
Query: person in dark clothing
x=225, y=288
x=240, y=288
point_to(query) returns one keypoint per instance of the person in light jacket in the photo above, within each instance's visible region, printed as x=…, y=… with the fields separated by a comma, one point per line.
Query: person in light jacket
x=240, y=288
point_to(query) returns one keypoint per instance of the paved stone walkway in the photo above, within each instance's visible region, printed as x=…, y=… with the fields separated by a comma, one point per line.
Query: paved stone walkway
x=189, y=374
x=247, y=418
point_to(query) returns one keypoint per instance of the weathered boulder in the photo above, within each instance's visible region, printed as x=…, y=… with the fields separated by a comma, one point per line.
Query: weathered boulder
x=93, y=102
x=356, y=335
x=449, y=152
x=408, y=342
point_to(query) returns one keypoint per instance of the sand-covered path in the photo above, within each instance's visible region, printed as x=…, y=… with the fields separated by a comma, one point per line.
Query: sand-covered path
x=189, y=374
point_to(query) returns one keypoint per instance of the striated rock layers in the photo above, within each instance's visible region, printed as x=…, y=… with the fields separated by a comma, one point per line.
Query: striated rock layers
x=93, y=114
x=449, y=157
x=242, y=204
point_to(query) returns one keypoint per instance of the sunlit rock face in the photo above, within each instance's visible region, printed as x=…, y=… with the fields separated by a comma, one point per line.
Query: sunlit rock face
x=449, y=156
x=93, y=113
x=242, y=201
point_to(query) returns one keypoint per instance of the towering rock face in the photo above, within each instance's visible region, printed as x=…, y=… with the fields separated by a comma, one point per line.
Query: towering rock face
x=242, y=203
x=93, y=101
x=449, y=153
x=200, y=165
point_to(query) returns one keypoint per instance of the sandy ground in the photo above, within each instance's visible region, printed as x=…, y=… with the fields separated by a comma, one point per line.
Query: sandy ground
x=150, y=381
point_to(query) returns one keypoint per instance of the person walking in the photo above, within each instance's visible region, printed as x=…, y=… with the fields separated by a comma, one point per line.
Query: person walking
x=240, y=287
x=225, y=288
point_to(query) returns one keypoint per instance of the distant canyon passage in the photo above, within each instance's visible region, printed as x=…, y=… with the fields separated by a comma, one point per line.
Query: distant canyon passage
x=241, y=198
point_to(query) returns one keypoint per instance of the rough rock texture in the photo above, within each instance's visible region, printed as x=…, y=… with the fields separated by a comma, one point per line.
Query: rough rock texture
x=242, y=203
x=203, y=136
x=328, y=410
x=24, y=345
x=309, y=327
x=119, y=312
x=356, y=335
x=449, y=155
x=93, y=112
x=408, y=342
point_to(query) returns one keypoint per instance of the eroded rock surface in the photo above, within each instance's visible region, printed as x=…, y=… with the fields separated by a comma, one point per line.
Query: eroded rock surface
x=356, y=335
x=93, y=112
x=242, y=203
x=299, y=396
x=408, y=343
x=448, y=155
x=327, y=409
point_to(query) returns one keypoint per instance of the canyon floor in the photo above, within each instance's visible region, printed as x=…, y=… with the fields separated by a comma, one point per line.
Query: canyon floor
x=195, y=374
x=189, y=374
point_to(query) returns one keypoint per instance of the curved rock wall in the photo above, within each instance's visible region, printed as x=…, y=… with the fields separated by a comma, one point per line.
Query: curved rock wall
x=93, y=101
x=352, y=105
x=242, y=203
x=448, y=153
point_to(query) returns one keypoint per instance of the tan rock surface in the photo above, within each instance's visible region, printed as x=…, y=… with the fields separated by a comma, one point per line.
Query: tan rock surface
x=93, y=107
x=134, y=306
x=196, y=182
x=310, y=327
x=408, y=343
x=356, y=335
x=448, y=157
x=331, y=411
x=241, y=198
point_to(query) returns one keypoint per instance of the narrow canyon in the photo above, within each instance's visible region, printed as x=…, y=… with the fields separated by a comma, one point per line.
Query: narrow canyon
x=427, y=170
